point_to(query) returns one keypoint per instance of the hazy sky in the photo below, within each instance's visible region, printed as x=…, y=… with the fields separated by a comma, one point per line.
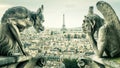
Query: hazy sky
x=74, y=10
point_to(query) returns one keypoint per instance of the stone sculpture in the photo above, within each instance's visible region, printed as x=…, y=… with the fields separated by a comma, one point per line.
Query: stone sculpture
x=14, y=21
x=109, y=34
x=92, y=22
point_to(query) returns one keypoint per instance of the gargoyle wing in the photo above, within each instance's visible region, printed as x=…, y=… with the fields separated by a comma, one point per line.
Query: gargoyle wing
x=107, y=11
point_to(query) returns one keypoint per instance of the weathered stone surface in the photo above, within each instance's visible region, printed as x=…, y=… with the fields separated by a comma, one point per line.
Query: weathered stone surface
x=107, y=62
x=6, y=60
x=108, y=35
x=14, y=21
x=10, y=60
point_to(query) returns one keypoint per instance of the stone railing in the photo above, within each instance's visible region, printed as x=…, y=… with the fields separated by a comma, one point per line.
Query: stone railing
x=106, y=62
x=21, y=62
x=28, y=61
x=11, y=60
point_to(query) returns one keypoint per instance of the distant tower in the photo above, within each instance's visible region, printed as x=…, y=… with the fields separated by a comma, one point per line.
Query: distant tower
x=63, y=26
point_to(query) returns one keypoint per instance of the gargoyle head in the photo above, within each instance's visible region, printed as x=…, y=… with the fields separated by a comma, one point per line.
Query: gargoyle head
x=39, y=20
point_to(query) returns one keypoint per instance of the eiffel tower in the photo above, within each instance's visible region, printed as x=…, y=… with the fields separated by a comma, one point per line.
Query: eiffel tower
x=63, y=26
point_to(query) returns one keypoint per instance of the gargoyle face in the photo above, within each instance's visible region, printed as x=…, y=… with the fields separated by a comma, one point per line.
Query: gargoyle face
x=39, y=20
x=86, y=26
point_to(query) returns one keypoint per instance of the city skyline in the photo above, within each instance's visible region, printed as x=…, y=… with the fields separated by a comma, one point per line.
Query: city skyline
x=54, y=9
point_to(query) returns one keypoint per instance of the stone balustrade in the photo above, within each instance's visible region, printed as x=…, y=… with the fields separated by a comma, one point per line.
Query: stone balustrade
x=106, y=62
x=21, y=61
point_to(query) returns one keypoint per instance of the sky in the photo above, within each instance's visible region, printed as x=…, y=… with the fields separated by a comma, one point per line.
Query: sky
x=74, y=10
